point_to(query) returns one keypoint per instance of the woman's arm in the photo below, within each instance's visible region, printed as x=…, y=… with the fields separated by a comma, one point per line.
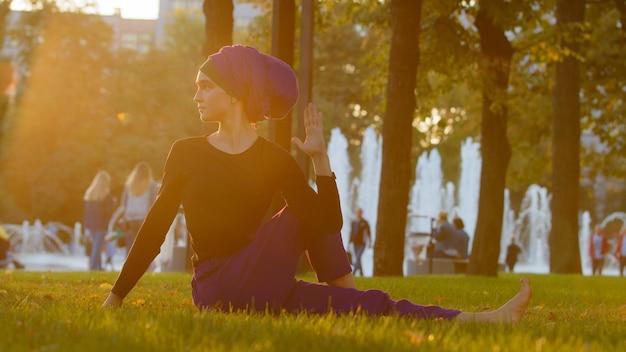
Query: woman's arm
x=152, y=232
x=308, y=205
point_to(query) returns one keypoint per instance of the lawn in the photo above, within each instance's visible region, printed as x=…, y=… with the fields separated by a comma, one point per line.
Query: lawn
x=57, y=311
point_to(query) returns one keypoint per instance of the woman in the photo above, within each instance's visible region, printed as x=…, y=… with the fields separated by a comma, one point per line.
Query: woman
x=137, y=198
x=99, y=206
x=226, y=182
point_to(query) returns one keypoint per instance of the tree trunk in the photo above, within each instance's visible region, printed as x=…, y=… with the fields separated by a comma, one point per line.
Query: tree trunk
x=218, y=27
x=283, y=33
x=396, y=133
x=496, y=53
x=6, y=69
x=564, y=247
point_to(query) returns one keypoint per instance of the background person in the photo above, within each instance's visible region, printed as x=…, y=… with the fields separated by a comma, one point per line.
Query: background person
x=445, y=238
x=598, y=248
x=512, y=254
x=226, y=182
x=620, y=252
x=461, y=238
x=139, y=193
x=99, y=206
x=6, y=254
x=359, y=238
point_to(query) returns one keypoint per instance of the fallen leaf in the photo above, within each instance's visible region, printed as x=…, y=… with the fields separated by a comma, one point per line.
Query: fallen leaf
x=415, y=338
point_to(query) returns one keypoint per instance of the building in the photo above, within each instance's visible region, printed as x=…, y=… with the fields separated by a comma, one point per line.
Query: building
x=133, y=34
x=141, y=34
x=243, y=13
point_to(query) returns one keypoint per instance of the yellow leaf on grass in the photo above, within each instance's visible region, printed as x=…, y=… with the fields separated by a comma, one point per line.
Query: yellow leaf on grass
x=106, y=286
x=49, y=296
x=415, y=338
x=622, y=312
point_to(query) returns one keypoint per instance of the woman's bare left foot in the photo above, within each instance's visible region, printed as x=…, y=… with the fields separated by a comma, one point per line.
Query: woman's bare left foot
x=511, y=312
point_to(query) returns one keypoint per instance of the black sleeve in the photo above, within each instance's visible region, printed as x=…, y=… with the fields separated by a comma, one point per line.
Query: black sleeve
x=154, y=228
x=319, y=210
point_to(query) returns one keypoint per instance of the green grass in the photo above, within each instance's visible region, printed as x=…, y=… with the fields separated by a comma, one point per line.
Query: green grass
x=61, y=312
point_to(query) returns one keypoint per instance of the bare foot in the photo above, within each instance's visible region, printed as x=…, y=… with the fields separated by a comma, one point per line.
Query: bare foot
x=510, y=312
x=346, y=281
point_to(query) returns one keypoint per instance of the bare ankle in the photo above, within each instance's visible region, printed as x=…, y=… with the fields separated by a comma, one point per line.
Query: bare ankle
x=346, y=281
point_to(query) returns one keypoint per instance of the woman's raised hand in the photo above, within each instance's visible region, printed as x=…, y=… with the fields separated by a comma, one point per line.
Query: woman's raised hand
x=314, y=144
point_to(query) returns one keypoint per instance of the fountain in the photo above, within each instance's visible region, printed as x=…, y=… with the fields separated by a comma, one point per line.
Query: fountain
x=532, y=227
x=35, y=238
x=469, y=185
x=428, y=196
x=584, y=233
x=340, y=160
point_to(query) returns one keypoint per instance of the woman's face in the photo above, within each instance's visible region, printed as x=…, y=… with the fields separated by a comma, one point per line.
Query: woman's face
x=213, y=102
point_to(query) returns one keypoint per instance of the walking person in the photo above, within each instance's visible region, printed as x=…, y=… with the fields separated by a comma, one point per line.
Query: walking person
x=620, y=252
x=359, y=237
x=137, y=197
x=99, y=205
x=512, y=254
x=598, y=248
x=226, y=181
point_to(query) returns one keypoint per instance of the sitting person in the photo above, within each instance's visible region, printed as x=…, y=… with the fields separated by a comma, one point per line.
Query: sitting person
x=227, y=180
x=445, y=236
x=461, y=240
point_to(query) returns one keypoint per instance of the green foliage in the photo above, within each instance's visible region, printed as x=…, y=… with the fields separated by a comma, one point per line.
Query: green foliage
x=66, y=66
x=118, y=107
x=603, y=102
x=566, y=313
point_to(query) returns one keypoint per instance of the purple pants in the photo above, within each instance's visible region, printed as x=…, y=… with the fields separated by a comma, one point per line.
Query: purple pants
x=261, y=277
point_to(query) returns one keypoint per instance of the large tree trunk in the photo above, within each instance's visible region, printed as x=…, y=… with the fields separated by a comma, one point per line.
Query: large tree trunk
x=496, y=53
x=283, y=32
x=218, y=27
x=564, y=247
x=6, y=69
x=397, y=130
x=218, y=32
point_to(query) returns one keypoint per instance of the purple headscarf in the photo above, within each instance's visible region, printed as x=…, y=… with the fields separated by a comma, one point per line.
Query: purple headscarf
x=265, y=84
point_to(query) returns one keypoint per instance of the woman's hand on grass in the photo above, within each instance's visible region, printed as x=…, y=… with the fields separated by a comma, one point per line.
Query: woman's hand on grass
x=113, y=301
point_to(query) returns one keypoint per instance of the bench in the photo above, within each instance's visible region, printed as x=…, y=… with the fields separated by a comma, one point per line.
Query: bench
x=441, y=266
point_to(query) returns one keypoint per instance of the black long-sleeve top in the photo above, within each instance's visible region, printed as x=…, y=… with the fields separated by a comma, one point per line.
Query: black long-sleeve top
x=225, y=198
